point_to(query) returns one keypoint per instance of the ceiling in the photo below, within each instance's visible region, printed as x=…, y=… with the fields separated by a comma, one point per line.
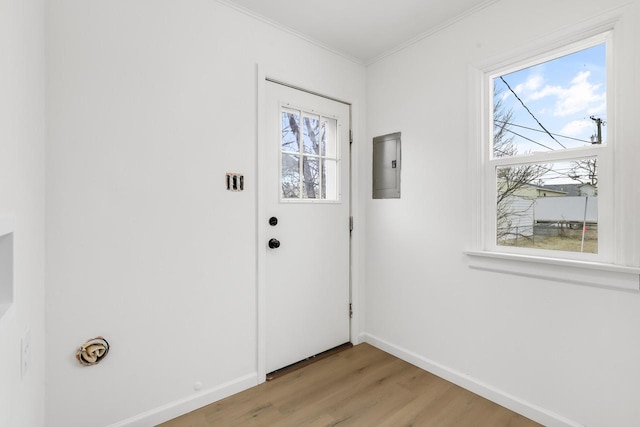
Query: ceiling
x=361, y=29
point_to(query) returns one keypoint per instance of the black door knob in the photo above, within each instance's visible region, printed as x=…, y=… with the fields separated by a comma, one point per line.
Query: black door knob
x=274, y=244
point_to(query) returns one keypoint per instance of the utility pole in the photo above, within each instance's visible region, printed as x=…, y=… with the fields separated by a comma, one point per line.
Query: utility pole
x=597, y=139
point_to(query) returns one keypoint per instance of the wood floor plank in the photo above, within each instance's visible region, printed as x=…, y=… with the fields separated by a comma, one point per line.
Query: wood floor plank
x=361, y=386
x=346, y=378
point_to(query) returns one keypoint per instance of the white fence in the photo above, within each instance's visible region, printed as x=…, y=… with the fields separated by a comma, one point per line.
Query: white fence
x=566, y=209
x=523, y=213
x=518, y=219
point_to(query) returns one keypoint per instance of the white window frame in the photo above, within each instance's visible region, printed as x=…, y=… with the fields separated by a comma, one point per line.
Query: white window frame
x=613, y=266
x=601, y=152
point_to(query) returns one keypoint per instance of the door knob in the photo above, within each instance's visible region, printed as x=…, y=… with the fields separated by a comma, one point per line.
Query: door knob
x=274, y=244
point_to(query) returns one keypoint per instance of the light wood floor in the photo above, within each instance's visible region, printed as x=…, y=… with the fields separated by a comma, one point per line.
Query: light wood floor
x=362, y=386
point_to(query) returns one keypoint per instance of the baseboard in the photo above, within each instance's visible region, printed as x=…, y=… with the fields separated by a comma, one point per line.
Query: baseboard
x=513, y=403
x=182, y=406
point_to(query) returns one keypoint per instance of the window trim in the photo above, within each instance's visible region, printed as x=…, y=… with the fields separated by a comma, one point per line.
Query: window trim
x=605, y=269
x=609, y=276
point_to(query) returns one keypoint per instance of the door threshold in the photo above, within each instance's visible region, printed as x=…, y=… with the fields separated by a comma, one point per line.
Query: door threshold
x=308, y=361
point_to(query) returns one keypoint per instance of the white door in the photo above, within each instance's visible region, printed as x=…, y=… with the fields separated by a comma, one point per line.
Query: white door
x=307, y=251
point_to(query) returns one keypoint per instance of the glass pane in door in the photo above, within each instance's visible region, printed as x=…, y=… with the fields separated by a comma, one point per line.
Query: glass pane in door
x=290, y=131
x=310, y=170
x=290, y=178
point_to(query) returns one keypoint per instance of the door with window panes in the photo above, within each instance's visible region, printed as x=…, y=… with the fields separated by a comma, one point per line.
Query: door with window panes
x=307, y=222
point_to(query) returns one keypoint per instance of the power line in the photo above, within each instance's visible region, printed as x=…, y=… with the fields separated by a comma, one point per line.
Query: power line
x=541, y=131
x=529, y=139
x=552, y=173
x=560, y=174
x=529, y=111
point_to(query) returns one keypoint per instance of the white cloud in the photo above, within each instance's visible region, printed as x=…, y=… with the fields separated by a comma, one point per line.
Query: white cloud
x=546, y=91
x=581, y=95
x=577, y=129
x=532, y=84
x=598, y=109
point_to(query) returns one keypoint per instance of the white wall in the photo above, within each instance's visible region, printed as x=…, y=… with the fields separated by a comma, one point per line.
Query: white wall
x=562, y=353
x=150, y=103
x=22, y=130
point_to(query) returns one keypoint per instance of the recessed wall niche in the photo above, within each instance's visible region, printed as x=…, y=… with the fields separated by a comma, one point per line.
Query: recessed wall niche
x=7, y=225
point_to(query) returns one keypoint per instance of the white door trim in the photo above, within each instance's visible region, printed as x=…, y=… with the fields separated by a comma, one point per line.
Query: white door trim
x=261, y=229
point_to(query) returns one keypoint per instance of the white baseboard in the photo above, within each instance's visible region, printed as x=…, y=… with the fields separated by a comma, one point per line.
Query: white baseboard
x=183, y=406
x=513, y=403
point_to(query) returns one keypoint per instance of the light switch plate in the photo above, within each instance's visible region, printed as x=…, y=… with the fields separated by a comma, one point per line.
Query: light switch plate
x=235, y=181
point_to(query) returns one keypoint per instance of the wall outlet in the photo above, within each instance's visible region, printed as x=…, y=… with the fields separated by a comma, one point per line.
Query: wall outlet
x=25, y=353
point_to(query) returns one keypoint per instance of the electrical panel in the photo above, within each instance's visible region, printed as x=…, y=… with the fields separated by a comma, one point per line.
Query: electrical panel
x=386, y=166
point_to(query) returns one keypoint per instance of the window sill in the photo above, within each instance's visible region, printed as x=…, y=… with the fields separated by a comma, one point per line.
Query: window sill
x=601, y=275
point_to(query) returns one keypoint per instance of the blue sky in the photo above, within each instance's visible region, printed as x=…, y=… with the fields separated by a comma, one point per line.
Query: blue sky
x=562, y=94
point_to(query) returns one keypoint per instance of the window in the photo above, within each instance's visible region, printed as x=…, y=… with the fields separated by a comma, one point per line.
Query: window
x=548, y=133
x=549, y=184
x=309, y=160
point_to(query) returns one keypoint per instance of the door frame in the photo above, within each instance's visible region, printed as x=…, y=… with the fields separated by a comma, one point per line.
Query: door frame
x=261, y=224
